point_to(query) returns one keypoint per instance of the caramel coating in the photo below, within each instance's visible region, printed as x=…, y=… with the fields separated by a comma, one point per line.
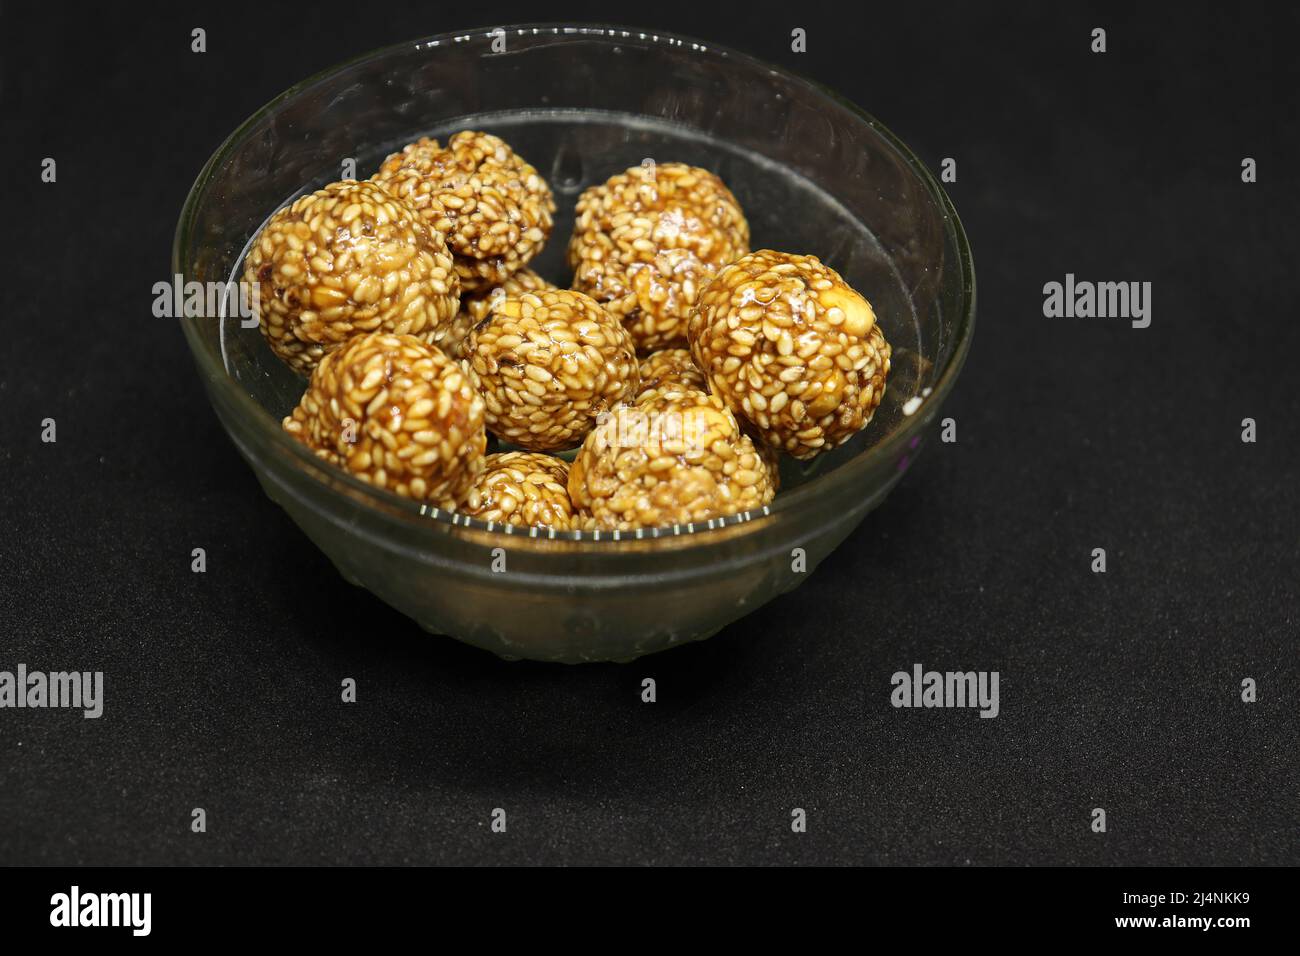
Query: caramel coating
x=676, y=457
x=522, y=488
x=344, y=260
x=771, y=457
x=647, y=240
x=791, y=349
x=493, y=208
x=549, y=364
x=474, y=309
x=397, y=413
x=670, y=367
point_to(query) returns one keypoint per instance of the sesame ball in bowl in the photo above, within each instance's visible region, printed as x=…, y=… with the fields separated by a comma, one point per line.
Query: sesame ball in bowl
x=677, y=456
x=396, y=413
x=346, y=260
x=648, y=239
x=670, y=367
x=549, y=365
x=493, y=208
x=474, y=308
x=813, y=175
x=792, y=349
x=524, y=489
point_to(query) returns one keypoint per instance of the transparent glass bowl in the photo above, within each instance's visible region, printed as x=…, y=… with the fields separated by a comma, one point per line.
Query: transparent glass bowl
x=814, y=174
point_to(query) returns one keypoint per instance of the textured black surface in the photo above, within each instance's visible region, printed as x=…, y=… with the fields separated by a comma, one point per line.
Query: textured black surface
x=1118, y=690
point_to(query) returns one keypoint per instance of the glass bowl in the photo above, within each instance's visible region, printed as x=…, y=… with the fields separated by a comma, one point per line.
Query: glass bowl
x=814, y=174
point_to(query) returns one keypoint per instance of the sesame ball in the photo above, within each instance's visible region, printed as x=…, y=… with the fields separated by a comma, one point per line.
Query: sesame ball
x=676, y=457
x=670, y=367
x=493, y=208
x=770, y=456
x=522, y=488
x=647, y=240
x=474, y=309
x=397, y=413
x=549, y=363
x=791, y=349
x=344, y=260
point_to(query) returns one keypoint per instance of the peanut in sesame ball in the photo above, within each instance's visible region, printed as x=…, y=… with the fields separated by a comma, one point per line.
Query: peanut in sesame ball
x=344, y=260
x=647, y=240
x=493, y=208
x=474, y=309
x=791, y=349
x=549, y=363
x=676, y=457
x=670, y=367
x=397, y=413
x=522, y=488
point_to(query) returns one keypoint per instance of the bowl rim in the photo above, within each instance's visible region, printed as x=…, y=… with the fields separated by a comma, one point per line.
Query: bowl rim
x=383, y=501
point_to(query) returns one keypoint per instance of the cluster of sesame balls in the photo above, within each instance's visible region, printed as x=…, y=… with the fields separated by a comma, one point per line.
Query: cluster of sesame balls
x=674, y=373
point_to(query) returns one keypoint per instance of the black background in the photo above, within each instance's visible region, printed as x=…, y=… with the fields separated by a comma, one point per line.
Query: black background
x=1119, y=690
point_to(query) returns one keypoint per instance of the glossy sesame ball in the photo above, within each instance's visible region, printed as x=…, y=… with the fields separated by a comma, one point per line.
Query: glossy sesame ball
x=647, y=240
x=397, y=413
x=522, y=488
x=670, y=367
x=549, y=363
x=474, y=309
x=770, y=456
x=791, y=349
x=676, y=457
x=492, y=207
x=344, y=260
